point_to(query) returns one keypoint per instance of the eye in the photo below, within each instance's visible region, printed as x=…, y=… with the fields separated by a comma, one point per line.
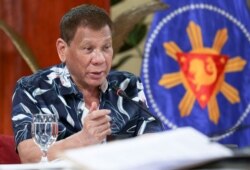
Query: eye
x=88, y=49
x=108, y=46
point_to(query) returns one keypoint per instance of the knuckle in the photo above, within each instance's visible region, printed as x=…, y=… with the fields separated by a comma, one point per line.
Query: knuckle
x=108, y=125
x=108, y=118
x=109, y=132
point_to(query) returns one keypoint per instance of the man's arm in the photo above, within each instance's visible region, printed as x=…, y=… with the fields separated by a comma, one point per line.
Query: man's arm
x=29, y=151
x=95, y=130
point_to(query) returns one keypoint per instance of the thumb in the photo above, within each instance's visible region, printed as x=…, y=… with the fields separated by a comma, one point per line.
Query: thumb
x=93, y=107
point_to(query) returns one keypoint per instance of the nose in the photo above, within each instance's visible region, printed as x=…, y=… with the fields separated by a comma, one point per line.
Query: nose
x=98, y=57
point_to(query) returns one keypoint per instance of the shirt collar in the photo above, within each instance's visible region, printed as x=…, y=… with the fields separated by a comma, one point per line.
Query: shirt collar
x=104, y=86
x=67, y=85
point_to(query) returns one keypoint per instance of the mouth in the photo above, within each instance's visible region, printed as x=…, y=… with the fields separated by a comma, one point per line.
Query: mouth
x=96, y=74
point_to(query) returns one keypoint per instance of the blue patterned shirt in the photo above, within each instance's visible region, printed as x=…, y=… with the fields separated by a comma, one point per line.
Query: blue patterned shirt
x=53, y=91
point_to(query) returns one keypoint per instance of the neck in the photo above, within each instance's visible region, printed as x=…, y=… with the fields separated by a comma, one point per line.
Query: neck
x=91, y=95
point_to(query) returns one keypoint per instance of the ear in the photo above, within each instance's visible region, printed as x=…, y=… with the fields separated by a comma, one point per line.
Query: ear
x=61, y=47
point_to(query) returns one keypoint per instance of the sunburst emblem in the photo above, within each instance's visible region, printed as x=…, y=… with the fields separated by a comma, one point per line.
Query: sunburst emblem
x=202, y=72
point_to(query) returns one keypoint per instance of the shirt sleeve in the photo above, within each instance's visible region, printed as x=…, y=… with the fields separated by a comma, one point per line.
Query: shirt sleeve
x=23, y=105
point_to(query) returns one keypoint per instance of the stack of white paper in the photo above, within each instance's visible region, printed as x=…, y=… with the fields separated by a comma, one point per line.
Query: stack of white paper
x=169, y=150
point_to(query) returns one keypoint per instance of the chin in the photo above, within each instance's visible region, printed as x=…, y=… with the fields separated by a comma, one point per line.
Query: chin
x=96, y=83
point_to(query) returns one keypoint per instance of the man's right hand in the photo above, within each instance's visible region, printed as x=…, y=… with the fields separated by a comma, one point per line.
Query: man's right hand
x=96, y=125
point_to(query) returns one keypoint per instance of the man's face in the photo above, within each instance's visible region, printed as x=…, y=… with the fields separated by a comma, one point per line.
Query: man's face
x=89, y=56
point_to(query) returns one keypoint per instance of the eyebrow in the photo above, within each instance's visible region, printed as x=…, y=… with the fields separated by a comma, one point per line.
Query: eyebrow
x=87, y=41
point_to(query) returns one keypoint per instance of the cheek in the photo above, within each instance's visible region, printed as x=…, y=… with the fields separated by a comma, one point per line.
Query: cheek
x=109, y=58
x=76, y=63
x=109, y=63
x=76, y=69
x=76, y=59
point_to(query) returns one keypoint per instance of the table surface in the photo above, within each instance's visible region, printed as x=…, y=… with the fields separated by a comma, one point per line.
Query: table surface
x=54, y=165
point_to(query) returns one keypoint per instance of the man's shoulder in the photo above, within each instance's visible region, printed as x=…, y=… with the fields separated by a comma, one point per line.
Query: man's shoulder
x=121, y=75
x=123, y=79
x=39, y=77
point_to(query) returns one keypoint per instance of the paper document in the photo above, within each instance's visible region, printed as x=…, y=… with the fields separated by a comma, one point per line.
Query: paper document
x=165, y=150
